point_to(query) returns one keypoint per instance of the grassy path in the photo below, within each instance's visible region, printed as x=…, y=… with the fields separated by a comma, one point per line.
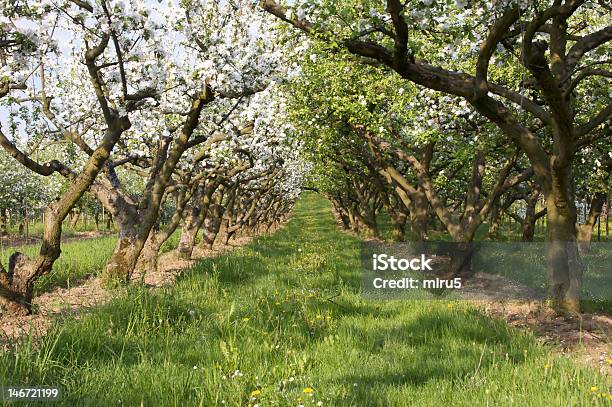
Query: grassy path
x=257, y=327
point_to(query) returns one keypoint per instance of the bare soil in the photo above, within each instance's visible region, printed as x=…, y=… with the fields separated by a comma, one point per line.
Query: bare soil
x=587, y=337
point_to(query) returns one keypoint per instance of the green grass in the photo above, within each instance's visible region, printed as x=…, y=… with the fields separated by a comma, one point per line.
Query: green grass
x=79, y=260
x=285, y=314
x=35, y=228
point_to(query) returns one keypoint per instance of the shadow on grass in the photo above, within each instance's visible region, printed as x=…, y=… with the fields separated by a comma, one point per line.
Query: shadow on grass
x=428, y=349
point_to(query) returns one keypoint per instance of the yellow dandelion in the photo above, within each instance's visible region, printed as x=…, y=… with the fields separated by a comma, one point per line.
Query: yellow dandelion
x=246, y=319
x=593, y=388
x=450, y=306
x=609, y=361
x=308, y=390
x=255, y=393
x=547, y=366
x=610, y=397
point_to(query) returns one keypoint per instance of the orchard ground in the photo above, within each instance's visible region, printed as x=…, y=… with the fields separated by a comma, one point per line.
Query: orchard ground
x=281, y=321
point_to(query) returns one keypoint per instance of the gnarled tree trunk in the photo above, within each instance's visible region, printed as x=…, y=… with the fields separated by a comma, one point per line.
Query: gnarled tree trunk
x=195, y=217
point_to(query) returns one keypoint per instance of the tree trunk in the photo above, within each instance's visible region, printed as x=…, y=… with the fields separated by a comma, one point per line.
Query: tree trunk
x=189, y=232
x=343, y=218
x=3, y=222
x=529, y=222
x=212, y=225
x=461, y=259
x=399, y=226
x=74, y=218
x=585, y=232
x=419, y=211
x=195, y=218
x=149, y=255
x=529, y=226
x=565, y=266
x=606, y=216
x=494, y=222
x=366, y=215
x=16, y=292
x=122, y=263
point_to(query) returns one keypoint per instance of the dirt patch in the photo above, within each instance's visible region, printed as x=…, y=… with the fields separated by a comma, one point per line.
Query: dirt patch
x=49, y=305
x=586, y=338
x=71, y=301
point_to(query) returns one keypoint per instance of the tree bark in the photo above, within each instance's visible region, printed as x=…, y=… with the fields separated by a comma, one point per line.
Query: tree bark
x=565, y=266
x=3, y=222
x=585, y=232
x=139, y=219
x=148, y=259
x=495, y=216
x=192, y=224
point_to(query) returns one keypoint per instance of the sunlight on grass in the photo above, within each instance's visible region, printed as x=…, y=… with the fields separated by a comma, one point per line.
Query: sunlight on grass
x=281, y=322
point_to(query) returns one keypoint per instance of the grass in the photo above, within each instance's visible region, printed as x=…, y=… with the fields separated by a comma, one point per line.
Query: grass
x=282, y=322
x=35, y=228
x=79, y=260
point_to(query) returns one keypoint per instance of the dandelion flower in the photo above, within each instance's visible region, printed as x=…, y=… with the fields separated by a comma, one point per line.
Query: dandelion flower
x=609, y=361
x=255, y=393
x=450, y=306
x=308, y=390
x=593, y=388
